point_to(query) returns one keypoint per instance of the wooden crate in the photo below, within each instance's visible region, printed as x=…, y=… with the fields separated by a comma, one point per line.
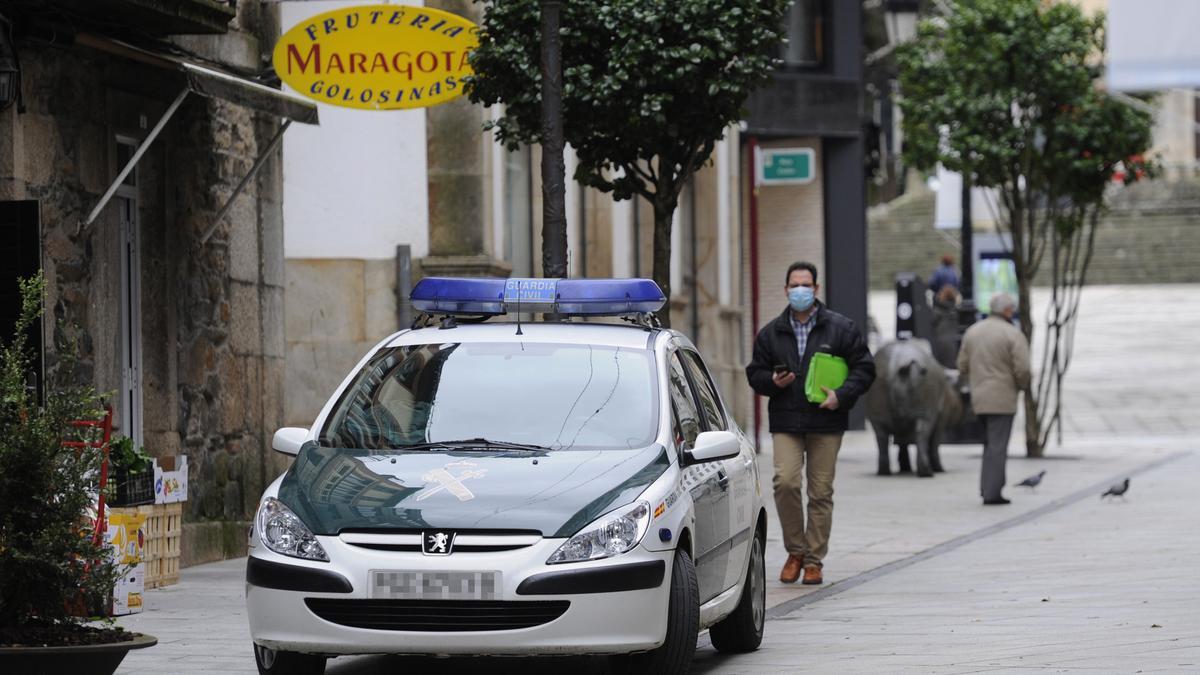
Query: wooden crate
x=164, y=527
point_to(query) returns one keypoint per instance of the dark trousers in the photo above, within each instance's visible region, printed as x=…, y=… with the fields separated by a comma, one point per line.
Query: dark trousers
x=996, y=431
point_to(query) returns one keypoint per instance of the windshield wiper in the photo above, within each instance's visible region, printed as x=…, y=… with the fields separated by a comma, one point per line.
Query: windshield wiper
x=482, y=443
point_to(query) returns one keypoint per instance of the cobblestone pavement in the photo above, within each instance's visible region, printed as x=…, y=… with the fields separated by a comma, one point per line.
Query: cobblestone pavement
x=920, y=576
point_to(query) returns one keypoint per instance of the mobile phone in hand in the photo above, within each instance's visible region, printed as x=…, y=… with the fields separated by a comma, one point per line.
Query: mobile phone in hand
x=781, y=369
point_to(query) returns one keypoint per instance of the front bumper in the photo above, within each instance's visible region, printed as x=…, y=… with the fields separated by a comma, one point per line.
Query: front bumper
x=602, y=621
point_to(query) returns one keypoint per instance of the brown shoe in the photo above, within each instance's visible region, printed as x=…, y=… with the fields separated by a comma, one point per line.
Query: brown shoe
x=791, y=570
x=812, y=575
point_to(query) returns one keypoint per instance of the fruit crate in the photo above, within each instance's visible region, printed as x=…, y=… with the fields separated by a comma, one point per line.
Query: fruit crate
x=132, y=489
x=164, y=528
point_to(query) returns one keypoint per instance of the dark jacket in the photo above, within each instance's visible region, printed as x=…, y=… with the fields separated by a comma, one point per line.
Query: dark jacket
x=789, y=409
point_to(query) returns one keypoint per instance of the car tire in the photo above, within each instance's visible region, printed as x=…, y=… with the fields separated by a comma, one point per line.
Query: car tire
x=683, y=623
x=742, y=631
x=275, y=662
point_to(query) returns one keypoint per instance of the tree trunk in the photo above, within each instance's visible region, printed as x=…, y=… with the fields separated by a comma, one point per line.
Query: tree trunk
x=554, y=209
x=664, y=210
x=1021, y=248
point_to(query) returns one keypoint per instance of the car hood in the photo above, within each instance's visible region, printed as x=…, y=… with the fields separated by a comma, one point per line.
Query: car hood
x=554, y=493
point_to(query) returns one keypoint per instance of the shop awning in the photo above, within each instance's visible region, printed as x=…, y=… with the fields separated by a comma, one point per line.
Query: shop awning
x=243, y=92
x=204, y=80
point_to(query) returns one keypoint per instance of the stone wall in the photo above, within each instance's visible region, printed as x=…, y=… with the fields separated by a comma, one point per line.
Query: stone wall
x=337, y=310
x=212, y=313
x=231, y=319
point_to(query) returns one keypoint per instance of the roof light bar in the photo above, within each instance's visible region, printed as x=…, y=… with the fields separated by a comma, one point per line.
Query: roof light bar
x=578, y=297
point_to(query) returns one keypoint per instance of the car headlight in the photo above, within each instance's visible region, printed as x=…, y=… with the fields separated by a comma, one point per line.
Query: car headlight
x=283, y=532
x=613, y=534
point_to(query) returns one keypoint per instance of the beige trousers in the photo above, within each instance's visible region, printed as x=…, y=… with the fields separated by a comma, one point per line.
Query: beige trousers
x=808, y=542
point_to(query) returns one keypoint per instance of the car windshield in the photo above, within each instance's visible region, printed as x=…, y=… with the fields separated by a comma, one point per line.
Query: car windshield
x=556, y=396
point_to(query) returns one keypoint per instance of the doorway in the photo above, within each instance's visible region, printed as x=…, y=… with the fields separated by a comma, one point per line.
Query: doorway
x=21, y=258
x=130, y=392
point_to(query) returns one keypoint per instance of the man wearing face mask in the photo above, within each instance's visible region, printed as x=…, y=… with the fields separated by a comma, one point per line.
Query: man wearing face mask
x=806, y=436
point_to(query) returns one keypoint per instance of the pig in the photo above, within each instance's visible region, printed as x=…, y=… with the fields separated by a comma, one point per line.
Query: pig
x=912, y=401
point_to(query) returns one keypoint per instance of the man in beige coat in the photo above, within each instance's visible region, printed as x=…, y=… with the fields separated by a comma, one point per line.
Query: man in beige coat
x=995, y=358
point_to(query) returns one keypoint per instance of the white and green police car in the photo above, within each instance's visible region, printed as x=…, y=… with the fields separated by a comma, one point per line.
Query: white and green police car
x=480, y=487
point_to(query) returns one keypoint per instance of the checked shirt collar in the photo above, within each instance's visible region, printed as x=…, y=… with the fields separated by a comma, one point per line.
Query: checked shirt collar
x=802, y=330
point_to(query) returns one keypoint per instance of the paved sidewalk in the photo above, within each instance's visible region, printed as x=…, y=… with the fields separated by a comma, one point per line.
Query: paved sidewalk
x=880, y=519
x=1134, y=367
x=1104, y=586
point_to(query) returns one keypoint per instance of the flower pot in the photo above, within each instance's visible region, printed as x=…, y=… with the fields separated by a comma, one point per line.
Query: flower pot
x=100, y=659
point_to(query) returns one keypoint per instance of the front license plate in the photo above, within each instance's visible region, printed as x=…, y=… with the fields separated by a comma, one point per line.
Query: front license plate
x=434, y=585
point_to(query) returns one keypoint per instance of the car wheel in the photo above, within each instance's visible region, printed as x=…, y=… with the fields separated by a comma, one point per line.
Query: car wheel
x=274, y=662
x=683, y=622
x=742, y=631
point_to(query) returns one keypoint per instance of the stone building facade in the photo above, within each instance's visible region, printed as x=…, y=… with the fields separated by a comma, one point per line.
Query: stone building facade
x=181, y=327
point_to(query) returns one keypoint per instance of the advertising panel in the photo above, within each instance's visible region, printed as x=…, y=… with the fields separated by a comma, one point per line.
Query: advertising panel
x=377, y=57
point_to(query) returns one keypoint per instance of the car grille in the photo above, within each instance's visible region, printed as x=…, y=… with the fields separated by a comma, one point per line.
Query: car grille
x=465, y=542
x=437, y=615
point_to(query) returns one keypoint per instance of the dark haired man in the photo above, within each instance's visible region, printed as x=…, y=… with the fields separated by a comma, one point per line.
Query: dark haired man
x=945, y=275
x=803, y=432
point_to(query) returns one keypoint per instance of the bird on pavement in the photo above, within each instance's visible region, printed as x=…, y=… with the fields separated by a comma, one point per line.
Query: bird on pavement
x=1033, y=481
x=1117, y=490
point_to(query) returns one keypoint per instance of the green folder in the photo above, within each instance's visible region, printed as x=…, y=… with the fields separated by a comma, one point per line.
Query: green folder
x=825, y=370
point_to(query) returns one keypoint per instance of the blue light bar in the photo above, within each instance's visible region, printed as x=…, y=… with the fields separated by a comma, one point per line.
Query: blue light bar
x=577, y=297
x=608, y=297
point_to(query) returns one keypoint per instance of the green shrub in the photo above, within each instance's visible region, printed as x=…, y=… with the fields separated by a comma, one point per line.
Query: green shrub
x=50, y=566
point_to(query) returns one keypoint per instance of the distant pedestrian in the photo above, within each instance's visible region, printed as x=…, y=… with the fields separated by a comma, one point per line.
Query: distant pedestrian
x=995, y=360
x=945, y=275
x=945, y=326
x=801, y=431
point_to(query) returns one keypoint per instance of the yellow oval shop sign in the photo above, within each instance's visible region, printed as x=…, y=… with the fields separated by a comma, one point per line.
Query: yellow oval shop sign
x=377, y=57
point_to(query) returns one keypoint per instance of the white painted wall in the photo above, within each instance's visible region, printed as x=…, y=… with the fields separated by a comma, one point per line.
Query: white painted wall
x=355, y=186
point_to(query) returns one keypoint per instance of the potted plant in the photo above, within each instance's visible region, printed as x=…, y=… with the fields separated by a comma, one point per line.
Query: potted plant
x=53, y=569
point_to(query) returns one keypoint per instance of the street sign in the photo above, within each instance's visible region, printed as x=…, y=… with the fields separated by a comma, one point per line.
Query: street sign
x=786, y=166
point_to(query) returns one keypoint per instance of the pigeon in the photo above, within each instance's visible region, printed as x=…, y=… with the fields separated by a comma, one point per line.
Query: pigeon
x=1117, y=490
x=1033, y=481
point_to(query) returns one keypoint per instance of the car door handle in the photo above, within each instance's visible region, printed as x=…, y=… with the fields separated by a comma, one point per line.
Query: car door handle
x=723, y=480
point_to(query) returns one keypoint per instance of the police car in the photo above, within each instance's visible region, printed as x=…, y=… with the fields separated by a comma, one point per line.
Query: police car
x=483, y=486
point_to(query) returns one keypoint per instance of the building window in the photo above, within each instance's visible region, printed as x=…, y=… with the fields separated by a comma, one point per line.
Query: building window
x=805, y=25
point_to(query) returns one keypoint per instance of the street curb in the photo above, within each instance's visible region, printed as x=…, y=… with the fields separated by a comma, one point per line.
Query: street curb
x=788, y=606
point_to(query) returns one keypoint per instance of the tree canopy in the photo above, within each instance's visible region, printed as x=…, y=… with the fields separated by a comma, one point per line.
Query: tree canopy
x=649, y=87
x=1006, y=93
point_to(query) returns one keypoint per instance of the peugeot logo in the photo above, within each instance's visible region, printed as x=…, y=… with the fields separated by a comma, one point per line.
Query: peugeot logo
x=437, y=543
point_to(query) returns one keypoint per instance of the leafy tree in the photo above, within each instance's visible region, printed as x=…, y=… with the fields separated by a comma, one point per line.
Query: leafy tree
x=649, y=87
x=1005, y=92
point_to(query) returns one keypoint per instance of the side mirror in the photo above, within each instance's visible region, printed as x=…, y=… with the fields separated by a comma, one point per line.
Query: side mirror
x=289, y=439
x=712, y=446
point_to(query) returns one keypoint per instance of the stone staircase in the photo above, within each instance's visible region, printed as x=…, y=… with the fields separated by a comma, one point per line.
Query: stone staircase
x=1150, y=235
